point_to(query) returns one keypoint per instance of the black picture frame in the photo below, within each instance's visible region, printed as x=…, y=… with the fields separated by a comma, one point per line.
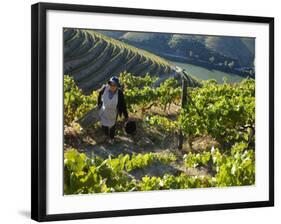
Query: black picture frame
x=38, y=110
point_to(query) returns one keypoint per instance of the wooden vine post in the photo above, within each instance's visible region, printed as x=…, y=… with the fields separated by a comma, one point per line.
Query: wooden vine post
x=183, y=103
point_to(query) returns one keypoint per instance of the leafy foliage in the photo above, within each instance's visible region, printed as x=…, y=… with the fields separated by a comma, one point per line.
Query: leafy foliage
x=130, y=81
x=139, y=91
x=232, y=169
x=76, y=104
x=226, y=111
x=162, y=122
x=196, y=159
x=83, y=175
x=235, y=169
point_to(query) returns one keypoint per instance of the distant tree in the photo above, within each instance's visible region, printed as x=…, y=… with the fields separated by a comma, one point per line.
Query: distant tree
x=212, y=59
x=231, y=64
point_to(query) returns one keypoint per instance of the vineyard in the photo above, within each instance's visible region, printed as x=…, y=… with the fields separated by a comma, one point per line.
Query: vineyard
x=217, y=124
x=91, y=57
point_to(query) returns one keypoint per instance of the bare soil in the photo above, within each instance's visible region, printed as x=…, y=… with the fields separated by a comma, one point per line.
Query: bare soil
x=146, y=139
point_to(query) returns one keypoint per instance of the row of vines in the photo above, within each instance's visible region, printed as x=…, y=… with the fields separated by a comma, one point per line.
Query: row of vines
x=226, y=112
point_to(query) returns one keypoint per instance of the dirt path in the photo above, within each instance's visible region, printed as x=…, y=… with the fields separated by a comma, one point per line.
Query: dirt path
x=147, y=139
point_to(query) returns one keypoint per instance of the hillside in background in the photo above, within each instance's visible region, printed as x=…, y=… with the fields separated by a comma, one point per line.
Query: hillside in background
x=91, y=58
x=230, y=54
x=241, y=49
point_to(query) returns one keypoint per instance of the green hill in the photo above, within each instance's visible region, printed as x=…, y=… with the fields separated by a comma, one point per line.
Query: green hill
x=241, y=49
x=222, y=48
x=91, y=58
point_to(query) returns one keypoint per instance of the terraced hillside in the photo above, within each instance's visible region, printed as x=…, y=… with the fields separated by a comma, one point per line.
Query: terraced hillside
x=91, y=58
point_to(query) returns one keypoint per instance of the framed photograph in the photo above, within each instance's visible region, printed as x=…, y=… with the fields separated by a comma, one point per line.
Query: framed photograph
x=141, y=111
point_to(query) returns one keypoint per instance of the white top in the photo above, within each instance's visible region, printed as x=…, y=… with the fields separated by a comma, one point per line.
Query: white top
x=108, y=110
